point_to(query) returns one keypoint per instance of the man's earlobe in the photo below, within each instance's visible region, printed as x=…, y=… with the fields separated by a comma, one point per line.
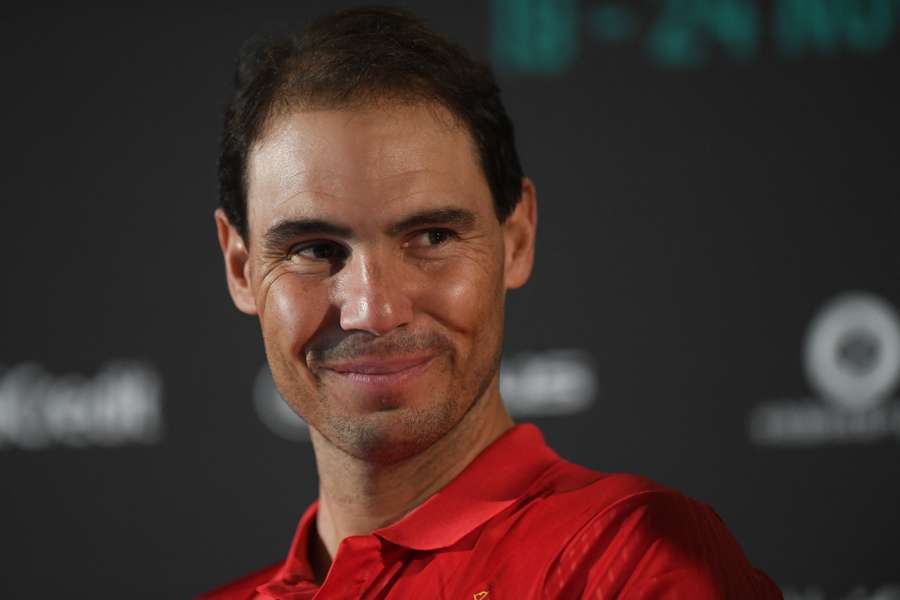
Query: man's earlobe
x=519, y=234
x=236, y=256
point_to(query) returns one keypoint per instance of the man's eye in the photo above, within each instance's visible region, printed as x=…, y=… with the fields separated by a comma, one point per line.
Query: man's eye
x=319, y=251
x=432, y=237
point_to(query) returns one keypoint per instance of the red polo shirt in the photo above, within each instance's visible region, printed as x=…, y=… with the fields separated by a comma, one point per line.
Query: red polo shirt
x=520, y=522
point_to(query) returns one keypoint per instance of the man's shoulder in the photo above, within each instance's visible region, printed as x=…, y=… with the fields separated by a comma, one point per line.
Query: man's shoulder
x=569, y=502
x=243, y=588
x=593, y=498
x=627, y=532
x=586, y=504
x=578, y=487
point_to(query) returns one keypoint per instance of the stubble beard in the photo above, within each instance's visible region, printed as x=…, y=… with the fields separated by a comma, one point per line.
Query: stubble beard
x=394, y=434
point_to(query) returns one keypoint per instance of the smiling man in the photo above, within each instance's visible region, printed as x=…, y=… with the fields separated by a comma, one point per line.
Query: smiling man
x=373, y=216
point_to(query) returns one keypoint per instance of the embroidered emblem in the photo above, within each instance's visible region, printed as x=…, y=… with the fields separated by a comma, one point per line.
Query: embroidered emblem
x=479, y=595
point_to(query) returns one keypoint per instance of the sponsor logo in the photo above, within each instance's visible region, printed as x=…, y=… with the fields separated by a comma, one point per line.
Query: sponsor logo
x=890, y=591
x=548, y=37
x=121, y=404
x=852, y=353
x=548, y=384
x=851, y=359
x=532, y=384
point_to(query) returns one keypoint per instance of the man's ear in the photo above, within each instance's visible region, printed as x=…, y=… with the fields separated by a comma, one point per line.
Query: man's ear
x=237, y=264
x=518, y=234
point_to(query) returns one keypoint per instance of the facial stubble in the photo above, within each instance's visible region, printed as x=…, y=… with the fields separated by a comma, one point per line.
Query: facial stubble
x=400, y=430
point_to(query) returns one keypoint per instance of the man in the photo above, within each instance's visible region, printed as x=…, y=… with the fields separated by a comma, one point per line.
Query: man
x=373, y=215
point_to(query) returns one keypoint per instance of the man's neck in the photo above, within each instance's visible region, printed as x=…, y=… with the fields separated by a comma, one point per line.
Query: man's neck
x=357, y=496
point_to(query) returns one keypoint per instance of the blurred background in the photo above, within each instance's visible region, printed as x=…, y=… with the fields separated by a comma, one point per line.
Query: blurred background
x=714, y=303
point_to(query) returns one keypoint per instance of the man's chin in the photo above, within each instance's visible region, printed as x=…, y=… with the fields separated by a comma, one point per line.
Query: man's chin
x=391, y=434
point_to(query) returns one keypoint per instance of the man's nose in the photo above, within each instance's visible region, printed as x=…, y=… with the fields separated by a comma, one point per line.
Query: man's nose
x=372, y=295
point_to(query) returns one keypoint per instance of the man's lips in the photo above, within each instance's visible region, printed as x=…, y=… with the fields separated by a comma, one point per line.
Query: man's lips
x=377, y=371
x=377, y=366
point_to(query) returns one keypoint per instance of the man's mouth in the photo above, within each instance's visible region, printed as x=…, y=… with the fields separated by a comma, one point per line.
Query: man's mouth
x=377, y=372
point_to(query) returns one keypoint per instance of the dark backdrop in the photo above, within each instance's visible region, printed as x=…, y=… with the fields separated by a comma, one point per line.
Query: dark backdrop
x=712, y=174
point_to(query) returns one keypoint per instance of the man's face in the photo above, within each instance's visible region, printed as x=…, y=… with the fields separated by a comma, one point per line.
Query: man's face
x=378, y=270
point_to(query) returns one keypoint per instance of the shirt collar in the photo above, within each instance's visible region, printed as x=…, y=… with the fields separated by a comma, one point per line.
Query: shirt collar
x=495, y=480
x=296, y=570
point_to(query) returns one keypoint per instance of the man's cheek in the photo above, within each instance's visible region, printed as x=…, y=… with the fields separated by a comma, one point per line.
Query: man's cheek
x=293, y=313
x=461, y=299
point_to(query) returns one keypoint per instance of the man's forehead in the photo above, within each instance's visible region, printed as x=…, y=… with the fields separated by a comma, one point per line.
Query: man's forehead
x=315, y=192
x=373, y=156
x=373, y=141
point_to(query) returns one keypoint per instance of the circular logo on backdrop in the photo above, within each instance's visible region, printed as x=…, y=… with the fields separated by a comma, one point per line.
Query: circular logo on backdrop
x=274, y=412
x=852, y=351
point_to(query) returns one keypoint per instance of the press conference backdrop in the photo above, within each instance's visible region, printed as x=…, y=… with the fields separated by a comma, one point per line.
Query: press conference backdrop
x=714, y=304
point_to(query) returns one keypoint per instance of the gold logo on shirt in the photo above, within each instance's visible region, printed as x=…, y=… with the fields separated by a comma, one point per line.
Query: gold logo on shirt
x=479, y=595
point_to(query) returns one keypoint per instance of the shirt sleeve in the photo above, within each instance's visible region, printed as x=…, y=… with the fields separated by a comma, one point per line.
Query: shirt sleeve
x=657, y=546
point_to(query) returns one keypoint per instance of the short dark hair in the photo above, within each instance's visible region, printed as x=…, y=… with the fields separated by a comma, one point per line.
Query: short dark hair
x=358, y=56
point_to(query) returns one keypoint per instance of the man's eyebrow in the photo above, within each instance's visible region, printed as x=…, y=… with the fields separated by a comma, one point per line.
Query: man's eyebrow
x=286, y=231
x=455, y=217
